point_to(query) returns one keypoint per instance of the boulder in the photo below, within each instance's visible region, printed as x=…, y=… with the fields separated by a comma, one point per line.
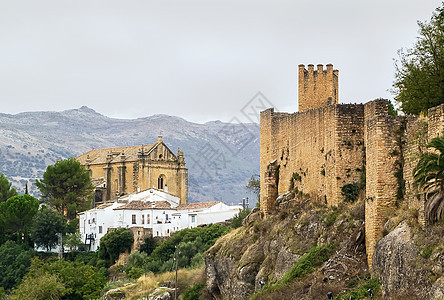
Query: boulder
x=395, y=263
x=115, y=294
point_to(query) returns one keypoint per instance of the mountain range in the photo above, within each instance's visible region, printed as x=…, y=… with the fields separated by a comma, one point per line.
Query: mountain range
x=220, y=157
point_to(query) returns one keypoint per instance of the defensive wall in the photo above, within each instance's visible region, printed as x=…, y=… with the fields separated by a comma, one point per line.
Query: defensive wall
x=328, y=145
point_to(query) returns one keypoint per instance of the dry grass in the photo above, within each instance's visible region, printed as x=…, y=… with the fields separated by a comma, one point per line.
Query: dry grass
x=146, y=284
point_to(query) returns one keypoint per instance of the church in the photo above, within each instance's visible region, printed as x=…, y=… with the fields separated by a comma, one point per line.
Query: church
x=116, y=172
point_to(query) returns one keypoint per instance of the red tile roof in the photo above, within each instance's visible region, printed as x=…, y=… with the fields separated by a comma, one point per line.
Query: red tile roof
x=140, y=205
x=197, y=205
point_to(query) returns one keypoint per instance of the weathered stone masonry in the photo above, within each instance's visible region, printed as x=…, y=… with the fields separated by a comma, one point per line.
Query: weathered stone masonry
x=120, y=171
x=330, y=145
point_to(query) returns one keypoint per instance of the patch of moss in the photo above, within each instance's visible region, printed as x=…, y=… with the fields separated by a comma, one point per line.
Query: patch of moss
x=315, y=257
x=362, y=291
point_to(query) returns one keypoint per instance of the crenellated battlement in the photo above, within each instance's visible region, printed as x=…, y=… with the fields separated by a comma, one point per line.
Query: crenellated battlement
x=317, y=87
x=330, y=146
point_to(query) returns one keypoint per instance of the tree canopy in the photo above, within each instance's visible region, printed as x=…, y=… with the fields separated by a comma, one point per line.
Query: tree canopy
x=419, y=75
x=47, y=223
x=14, y=264
x=115, y=242
x=17, y=213
x=67, y=186
x=61, y=279
x=6, y=191
x=255, y=187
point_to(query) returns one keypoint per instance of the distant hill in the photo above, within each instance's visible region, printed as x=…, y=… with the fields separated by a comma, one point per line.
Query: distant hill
x=220, y=157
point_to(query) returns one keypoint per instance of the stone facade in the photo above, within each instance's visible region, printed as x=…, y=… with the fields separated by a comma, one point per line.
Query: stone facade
x=327, y=145
x=119, y=171
x=317, y=87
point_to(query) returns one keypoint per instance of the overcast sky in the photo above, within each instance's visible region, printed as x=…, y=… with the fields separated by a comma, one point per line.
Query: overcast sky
x=200, y=60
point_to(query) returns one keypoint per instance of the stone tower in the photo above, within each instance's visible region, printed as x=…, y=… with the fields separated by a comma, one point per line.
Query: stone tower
x=317, y=88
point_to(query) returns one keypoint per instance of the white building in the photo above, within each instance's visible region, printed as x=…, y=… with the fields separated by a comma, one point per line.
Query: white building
x=152, y=212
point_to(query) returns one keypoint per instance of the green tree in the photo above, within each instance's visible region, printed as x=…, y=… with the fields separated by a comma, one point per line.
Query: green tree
x=419, y=75
x=193, y=292
x=17, y=213
x=236, y=221
x=67, y=186
x=14, y=264
x=6, y=189
x=149, y=245
x=193, y=242
x=42, y=287
x=62, y=279
x=115, y=242
x=73, y=241
x=47, y=223
x=428, y=176
x=255, y=187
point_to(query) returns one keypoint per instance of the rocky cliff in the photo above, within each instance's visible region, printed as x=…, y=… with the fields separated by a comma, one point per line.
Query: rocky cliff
x=303, y=251
x=409, y=261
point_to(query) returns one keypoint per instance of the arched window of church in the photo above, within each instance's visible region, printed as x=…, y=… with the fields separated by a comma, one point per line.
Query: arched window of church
x=161, y=182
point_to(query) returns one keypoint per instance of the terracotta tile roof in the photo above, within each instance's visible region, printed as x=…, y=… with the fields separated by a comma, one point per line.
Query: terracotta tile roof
x=140, y=205
x=98, y=156
x=197, y=205
x=105, y=205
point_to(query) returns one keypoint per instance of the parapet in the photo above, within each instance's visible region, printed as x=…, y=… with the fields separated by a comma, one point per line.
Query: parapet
x=317, y=87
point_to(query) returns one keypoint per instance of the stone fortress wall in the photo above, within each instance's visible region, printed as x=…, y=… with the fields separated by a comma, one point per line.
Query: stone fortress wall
x=327, y=145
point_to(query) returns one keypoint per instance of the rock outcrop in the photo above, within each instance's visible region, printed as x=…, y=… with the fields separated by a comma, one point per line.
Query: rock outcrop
x=405, y=272
x=115, y=294
x=266, y=249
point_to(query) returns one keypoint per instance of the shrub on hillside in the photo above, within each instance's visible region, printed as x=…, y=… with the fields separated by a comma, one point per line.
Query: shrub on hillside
x=113, y=243
x=236, y=221
x=192, y=243
x=193, y=292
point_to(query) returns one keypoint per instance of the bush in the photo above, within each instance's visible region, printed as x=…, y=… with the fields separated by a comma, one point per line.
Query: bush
x=236, y=221
x=49, y=287
x=350, y=192
x=135, y=272
x=192, y=244
x=193, y=292
x=427, y=251
x=330, y=219
x=113, y=243
x=137, y=264
x=361, y=292
x=315, y=257
x=60, y=278
x=14, y=261
x=149, y=245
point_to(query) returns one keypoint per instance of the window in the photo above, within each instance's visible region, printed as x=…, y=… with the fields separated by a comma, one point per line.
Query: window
x=147, y=219
x=166, y=217
x=161, y=182
x=100, y=229
x=134, y=219
x=143, y=219
x=193, y=219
